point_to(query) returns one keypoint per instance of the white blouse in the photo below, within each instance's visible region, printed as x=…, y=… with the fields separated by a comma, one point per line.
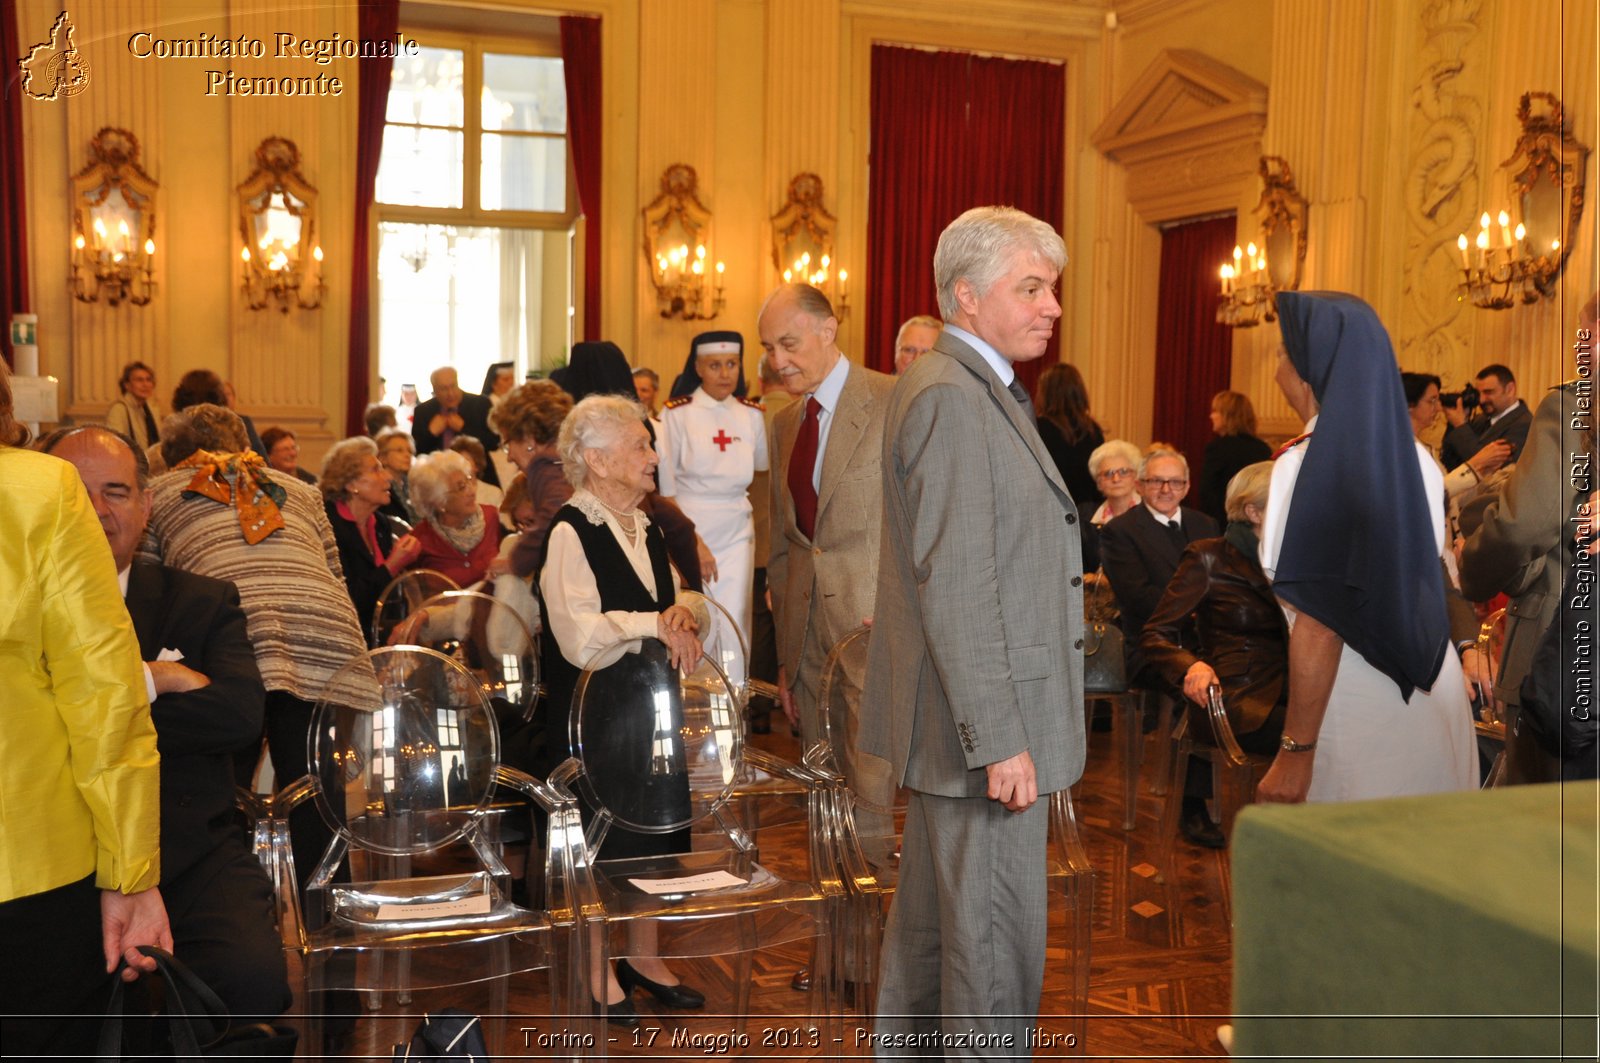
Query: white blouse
x=572, y=596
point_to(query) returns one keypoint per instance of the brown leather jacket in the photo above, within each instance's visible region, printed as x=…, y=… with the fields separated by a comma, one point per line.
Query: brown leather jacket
x=1240, y=626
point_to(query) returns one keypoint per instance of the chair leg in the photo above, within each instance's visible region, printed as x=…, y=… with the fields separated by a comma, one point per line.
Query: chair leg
x=1130, y=739
x=1171, y=813
x=1163, y=768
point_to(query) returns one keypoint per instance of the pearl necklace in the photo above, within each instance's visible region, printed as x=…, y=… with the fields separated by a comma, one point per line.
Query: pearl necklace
x=627, y=520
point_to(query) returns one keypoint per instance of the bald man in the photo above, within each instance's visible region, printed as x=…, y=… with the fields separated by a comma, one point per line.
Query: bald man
x=452, y=412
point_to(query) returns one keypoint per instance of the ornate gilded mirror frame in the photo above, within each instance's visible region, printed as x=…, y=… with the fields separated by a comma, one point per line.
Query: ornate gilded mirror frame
x=677, y=232
x=1282, y=213
x=1546, y=175
x=277, y=224
x=802, y=231
x=114, y=223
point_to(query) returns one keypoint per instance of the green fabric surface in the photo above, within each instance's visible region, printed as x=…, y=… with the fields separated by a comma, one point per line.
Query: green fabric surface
x=1458, y=926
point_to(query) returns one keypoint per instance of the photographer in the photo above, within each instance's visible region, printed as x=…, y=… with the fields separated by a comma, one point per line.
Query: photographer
x=1501, y=415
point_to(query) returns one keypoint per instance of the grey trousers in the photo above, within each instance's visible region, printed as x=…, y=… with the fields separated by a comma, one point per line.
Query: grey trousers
x=963, y=956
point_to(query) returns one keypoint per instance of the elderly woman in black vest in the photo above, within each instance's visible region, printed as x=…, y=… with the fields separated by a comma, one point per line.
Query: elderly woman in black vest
x=606, y=578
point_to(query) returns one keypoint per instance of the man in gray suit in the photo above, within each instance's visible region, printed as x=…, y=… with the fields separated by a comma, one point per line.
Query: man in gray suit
x=975, y=672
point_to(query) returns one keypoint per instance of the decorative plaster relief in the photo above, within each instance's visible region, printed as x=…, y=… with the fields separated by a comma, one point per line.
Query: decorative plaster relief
x=1440, y=188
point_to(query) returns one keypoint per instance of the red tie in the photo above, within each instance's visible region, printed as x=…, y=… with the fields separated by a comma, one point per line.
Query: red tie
x=802, y=463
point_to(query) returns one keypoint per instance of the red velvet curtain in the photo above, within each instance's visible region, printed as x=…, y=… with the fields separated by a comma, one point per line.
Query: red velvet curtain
x=378, y=20
x=13, y=194
x=580, y=57
x=1194, y=354
x=951, y=131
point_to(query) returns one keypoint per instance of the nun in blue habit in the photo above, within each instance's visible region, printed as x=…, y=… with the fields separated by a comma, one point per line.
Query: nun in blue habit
x=1352, y=541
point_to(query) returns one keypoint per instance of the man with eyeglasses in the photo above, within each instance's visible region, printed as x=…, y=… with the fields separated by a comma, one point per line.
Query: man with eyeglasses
x=915, y=339
x=1140, y=552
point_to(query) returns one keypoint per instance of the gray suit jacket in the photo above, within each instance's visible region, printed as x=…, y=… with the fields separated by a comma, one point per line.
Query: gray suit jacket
x=1519, y=540
x=822, y=587
x=977, y=648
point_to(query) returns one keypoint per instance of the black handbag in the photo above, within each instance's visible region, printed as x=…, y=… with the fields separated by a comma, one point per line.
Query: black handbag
x=1105, y=667
x=197, y=1021
x=445, y=1035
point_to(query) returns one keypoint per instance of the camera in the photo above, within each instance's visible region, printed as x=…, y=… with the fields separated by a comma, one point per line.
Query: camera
x=1466, y=398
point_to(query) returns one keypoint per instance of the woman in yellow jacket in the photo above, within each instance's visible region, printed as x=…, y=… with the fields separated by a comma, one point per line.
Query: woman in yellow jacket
x=79, y=773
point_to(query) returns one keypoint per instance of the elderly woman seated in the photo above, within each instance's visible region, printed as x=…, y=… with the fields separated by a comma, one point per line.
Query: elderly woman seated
x=605, y=579
x=1243, y=642
x=459, y=535
x=373, y=548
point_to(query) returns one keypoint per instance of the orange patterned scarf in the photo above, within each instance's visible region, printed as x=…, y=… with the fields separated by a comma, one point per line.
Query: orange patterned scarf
x=239, y=480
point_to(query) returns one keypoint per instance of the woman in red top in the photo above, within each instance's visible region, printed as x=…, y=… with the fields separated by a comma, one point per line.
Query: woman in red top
x=459, y=536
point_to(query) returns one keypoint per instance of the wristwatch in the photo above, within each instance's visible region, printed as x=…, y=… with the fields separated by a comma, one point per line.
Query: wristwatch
x=1289, y=745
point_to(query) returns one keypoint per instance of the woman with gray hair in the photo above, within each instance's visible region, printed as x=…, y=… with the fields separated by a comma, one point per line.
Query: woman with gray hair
x=606, y=578
x=1114, y=465
x=459, y=535
x=373, y=546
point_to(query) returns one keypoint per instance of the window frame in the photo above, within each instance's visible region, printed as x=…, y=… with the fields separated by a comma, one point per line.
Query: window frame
x=471, y=213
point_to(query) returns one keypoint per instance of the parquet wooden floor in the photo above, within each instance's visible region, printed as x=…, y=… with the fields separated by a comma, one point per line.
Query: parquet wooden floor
x=1160, y=974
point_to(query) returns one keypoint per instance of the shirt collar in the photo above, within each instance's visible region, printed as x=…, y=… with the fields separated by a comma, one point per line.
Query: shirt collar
x=832, y=386
x=1505, y=411
x=1002, y=368
x=1177, y=515
x=122, y=580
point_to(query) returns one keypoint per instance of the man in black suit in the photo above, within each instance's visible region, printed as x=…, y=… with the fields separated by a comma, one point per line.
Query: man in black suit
x=453, y=412
x=1140, y=552
x=1501, y=415
x=206, y=701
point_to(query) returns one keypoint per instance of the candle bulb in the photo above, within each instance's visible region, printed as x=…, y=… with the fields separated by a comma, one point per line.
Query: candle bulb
x=1461, y=245
x=244, y=254
x=1505, y=229
x=149, y=248
x=1483, y=247
x=1225, y=272
x=316, y=252
x=843, y=277
x=720, y=269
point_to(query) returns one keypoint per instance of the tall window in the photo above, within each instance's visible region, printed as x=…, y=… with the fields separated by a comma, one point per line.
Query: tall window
x=475, y=212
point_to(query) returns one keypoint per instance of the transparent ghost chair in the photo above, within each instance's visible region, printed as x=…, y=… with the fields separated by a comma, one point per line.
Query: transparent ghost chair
x=1234, y=774
x=761, y=797
x=871, y=814
x=400, y=599
x=656, y=754
x=494, y=641
x=404, y=767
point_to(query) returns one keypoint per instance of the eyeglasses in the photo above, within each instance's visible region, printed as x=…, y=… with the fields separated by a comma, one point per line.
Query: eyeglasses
x=1113, y=474
x=906, y=348
x=1166, y=485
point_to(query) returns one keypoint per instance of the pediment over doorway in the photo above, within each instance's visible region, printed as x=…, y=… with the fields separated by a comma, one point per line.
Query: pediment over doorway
x=1183, y=96
x=1188, y=133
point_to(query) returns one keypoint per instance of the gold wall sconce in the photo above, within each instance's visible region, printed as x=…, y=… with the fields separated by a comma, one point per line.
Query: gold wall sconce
x=1518, y=253
x=677, y=233
x=802, y=243
x=1258, y=271
x=277, y=222
x=113, y=224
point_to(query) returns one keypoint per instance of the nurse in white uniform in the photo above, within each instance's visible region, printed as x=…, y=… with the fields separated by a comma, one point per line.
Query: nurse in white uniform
x=711, y=443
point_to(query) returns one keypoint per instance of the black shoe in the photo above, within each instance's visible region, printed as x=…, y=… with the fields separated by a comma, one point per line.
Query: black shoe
x=1198, y=828
x=621, y=1013
x=673, y=996
x=801, y=981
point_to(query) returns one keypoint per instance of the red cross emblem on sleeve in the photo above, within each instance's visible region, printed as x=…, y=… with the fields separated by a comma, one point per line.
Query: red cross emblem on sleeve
x=722, y=439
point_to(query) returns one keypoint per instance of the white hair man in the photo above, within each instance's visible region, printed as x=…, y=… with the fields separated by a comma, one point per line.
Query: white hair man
x=975, y=669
